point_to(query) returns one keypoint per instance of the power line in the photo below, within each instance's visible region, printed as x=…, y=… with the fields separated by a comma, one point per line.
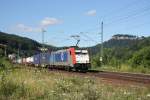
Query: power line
x=122, y=10
x=134, y=14
x=76, y=37
x=91, y=39
x=101, y=49
x=122, y=18
x=129, y=16
x=135, y=26
x=125, y=7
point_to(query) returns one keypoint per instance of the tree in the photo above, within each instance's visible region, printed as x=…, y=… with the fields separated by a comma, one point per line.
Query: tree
x=141, y=57
x=96, y=61
x=1, y=52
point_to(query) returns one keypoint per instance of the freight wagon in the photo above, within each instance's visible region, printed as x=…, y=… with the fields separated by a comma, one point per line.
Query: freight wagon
x=19, y=61
x=41, y=59
x=24, y=62
x=29, y=60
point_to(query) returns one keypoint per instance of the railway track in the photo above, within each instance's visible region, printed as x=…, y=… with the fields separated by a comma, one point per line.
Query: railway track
x=128, y=77
x=140, y=78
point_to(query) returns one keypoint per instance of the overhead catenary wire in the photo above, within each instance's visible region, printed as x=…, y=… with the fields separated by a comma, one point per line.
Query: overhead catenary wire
x=135, y=13
x=121, y=18
x=124, y=18
x=122, y=8
x=91, y=39
x=133, y=27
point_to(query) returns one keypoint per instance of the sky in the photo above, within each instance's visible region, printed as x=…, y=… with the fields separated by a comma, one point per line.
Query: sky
x=63, y=19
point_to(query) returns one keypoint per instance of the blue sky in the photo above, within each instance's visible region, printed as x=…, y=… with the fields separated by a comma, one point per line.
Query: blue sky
x=63, y=18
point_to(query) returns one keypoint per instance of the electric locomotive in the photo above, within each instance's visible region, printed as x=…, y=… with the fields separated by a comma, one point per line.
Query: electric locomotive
x=70, y=59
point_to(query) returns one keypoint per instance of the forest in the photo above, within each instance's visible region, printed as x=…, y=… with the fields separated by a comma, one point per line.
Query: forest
x=134, y=53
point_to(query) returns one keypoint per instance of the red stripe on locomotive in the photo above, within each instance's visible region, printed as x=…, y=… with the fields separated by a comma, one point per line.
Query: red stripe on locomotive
x=72, y=51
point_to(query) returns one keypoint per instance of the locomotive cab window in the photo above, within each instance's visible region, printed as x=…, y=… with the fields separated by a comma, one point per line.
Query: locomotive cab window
x=81, y=52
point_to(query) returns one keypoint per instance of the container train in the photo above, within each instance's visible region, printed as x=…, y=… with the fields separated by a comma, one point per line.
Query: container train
x=69, y=59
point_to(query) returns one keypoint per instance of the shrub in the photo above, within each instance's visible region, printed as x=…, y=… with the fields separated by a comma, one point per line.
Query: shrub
x=141, y=57
x=10, y=89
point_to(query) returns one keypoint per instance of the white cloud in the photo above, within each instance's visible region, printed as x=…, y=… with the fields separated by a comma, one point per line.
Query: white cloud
x=50, y=21
x=24, y=28
x=91, y=13
x=42, y=24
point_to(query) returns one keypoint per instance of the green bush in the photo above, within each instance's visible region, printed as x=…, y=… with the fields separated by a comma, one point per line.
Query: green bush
x=95, y=61
x=75, y=88
x=10, y=89
x=141, y=58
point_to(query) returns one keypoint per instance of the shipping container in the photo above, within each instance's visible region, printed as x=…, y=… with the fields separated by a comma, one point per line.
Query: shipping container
x=19, y=61
x=36, y=59
x=23, y=60
x=44, y=59
x=29, y=60
x=41, y=59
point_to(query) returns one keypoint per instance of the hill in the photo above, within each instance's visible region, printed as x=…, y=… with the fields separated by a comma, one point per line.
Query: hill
x=123, y=51
x=26, y=46
x=122, y=41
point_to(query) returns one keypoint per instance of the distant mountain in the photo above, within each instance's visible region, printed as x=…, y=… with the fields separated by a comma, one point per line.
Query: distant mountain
x=26, y=46
x=122, y=41
x=124, y=37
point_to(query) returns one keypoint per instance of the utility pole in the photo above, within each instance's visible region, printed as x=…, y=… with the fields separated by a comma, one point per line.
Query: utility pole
x=43, y=47
x=101, y=49
x=18, y=53
x=5, y=51
x=43, y=31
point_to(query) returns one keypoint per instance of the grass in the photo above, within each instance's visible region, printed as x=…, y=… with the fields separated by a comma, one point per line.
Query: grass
x=124, y=68
x=26, y=83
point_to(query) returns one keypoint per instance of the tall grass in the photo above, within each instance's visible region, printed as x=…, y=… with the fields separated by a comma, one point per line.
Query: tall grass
x=124, y=68
x=27, y=83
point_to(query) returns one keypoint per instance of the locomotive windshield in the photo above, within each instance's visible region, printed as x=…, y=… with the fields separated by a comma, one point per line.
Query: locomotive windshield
x=82, y=56
x=83, y=52
x=80, y=53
